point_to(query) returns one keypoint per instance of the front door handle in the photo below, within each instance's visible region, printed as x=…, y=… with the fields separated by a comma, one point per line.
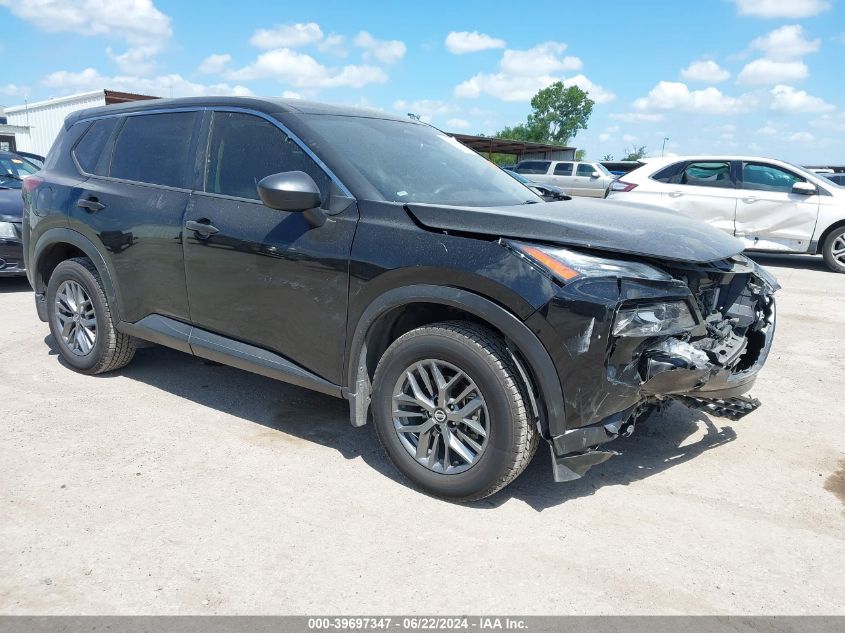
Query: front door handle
x=203, y=228
x=749, y=199
x=90, y=204
x=676, y=194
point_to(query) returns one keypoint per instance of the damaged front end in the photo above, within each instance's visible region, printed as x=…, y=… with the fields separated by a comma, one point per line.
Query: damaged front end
x=697, y=333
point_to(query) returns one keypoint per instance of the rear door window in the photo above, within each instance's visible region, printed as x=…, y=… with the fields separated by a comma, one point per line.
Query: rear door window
x=563, y=169
x=533, y=167
x=703, y=174
x=764, y=177
x=90, y=151
x=155, y=149
x=245, y=148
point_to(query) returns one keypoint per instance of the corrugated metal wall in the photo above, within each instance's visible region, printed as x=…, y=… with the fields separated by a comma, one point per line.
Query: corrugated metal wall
x=45, y=119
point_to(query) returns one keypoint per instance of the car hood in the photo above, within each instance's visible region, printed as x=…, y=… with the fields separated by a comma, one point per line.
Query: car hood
x=606, y=225
x=11, y=205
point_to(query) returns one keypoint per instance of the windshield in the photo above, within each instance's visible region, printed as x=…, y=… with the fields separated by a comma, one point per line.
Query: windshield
x=805, y=171
x=412, y=162
x=602, y=169
x=13, y=170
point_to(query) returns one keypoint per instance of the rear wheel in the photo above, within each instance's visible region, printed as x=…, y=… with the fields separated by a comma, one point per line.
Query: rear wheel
x=450, y=411
x=81, y=321
x=833, y=250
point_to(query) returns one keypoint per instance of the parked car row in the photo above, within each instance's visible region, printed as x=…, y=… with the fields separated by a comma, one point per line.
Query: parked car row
x=770, y=205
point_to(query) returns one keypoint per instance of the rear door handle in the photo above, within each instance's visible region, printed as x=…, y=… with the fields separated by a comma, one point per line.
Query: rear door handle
x=749, y=199
x=90, y=204
x=204, y=227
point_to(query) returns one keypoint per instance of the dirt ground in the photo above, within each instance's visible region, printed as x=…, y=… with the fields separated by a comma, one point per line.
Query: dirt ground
x=177, y=486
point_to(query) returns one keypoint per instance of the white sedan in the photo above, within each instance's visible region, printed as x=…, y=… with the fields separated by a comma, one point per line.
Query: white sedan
x=769, y=204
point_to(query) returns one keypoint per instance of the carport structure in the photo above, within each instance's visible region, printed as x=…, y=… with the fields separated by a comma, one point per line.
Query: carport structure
x=489, y=145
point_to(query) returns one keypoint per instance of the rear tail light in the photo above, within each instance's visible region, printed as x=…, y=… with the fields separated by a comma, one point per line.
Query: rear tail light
x=621, y=185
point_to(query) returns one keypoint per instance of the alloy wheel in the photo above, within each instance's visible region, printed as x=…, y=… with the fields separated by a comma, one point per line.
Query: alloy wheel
x=75, y=317
x=440, y=416
x=837, y=249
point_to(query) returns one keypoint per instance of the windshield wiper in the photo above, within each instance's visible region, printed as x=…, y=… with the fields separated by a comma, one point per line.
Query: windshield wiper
x=531, y=202
x=12, y=176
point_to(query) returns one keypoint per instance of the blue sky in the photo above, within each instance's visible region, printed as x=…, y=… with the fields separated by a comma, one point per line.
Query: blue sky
x=723, y=76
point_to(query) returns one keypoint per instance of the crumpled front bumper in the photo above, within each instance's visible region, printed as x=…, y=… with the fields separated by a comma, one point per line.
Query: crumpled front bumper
x=609, y=381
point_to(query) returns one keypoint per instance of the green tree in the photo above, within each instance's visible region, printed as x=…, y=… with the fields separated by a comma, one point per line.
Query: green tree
x=635, y=153
x=580, y=154
x=607, y=157
x=557, y=113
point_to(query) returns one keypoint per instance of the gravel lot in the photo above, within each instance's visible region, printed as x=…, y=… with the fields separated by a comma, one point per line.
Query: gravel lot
x=177, y=486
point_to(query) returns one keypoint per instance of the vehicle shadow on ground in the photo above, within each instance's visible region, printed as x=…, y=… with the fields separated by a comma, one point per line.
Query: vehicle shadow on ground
x=804, y=262
x=314, y=417
x=14, y=284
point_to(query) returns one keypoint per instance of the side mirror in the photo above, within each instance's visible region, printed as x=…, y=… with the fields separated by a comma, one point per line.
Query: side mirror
x=290, y=191
x=595, y=174
x=804, y=189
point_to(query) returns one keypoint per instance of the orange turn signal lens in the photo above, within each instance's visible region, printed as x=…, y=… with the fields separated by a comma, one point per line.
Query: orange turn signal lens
x=555, y=266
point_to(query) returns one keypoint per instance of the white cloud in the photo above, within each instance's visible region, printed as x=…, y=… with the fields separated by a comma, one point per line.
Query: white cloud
x=215, y=64
x=427, y=109
x=460, y=42
x=830, y=122
x=14, y=90
x=287, y=35
x=524, y=72
x=628, y=138
x=596, y=92
x=386, y=51
x=457, y=124
x=137, y=22
x=172, y=85
x=609, y=134
x=543, y=59
x=303, y=71
x=290, y=94
x=800, y=137
x=768, y=130
x=788, y=99
x=786, y=43
x=767, y=72
x=333, y=44
x=637, y=117
x=674, y=95
x=781, y=8
x=705, y=71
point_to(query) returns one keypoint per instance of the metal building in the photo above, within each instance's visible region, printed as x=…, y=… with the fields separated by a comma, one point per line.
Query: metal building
x=36, y=125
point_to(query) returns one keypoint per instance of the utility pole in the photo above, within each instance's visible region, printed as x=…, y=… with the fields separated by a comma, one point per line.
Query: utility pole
x=663, y=149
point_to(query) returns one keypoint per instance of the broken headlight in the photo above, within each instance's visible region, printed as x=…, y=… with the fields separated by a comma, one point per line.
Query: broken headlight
x=653, y=319
x=568, y=265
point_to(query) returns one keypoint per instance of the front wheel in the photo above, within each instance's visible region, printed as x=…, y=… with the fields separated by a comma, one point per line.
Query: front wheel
x=833, y=250
x=450, y=411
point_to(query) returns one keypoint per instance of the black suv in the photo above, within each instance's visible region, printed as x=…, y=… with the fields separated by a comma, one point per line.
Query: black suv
x=376, y=259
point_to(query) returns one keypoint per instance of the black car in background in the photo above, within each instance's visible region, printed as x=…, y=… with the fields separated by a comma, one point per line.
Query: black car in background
x=376, y=259
x=13, y=170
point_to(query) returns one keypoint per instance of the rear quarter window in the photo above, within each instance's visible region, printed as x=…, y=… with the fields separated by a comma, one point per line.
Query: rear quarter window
x=563, y=169
x=90, y=150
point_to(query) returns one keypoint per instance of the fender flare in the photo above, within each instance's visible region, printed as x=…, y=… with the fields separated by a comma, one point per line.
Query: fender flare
x=59, y=235
x=531, y=349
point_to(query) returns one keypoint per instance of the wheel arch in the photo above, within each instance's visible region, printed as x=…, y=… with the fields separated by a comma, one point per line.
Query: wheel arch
x=823, y=237
x=402, y=309
x=59, y=244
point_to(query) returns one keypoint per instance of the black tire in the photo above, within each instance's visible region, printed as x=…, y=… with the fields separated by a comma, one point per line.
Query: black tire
x=111, y=349
x=837, y=235
x=480, y=354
